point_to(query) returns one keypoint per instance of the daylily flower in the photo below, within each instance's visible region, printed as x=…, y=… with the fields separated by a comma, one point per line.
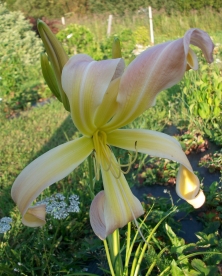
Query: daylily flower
x=103, y=98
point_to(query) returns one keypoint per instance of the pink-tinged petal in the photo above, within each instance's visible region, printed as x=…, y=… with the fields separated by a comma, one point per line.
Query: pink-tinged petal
x=97, y=219
x=114, y=207
x=85, y=82
x=154, y=70
x=44, y=171
x=164, y=146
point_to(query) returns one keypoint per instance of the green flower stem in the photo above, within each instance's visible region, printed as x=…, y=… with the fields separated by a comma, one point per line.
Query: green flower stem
x=164, y=271
x=129, y=251
x=91, y=184
x=127, y=248
x=136, y=257
x=114, y=245
x=148, y=239
x=108, y=258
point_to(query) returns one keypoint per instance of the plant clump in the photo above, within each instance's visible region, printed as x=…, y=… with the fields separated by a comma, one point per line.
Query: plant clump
x=20, y=76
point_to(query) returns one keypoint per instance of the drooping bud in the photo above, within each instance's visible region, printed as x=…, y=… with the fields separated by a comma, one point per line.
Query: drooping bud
x=57, y=57
x=116, y=50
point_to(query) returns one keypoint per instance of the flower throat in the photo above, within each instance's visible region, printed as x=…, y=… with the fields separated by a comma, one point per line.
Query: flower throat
x=104, y=156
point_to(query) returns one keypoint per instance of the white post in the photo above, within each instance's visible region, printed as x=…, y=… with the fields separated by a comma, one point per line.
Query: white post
x=63, y=20
x=109, y=25
x=151, y=26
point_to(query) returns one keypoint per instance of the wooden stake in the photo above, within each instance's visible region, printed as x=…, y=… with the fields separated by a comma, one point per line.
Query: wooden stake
x=109, y=25
x=151, y=26
x=63, y=20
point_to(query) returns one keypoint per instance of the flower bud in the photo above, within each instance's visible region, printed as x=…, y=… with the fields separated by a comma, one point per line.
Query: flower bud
x=57, y=57
x=116, y=50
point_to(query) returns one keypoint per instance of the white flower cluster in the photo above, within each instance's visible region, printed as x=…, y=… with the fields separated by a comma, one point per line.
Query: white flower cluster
x=58, y=208
x=5, y=224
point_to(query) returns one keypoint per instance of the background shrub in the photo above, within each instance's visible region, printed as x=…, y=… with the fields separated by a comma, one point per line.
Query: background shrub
x=20, y=73
x=56, y=9
x=79, y=39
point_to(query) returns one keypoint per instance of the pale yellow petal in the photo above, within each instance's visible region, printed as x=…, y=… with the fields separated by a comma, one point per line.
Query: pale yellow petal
x=85, y=82
x=114, y=207
x=154, y=70
x=44, y=171
x=161, y=145
x=149, y=142
x=109, y=104
x=188, y=187
x=192, y=62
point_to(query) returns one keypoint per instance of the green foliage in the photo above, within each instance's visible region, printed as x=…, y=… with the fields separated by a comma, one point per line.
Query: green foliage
x=56, y=9
x=171, y=6
x=37, y=8
x=192, y=141
x=212, y=161
x=183, y=264
x=61, y=245
x=156, y=171
x=78, y=39
x=127, y=43
x=141, y=35
x=19, y=67
x=203, y=95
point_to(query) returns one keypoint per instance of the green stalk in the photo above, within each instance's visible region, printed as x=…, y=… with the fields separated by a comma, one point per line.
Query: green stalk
x=147, y=241
x=128, y=236
x=91, y=184
x=136, y=257
x=127, y=247
x=108, y=258
x=114, y=245
x=128, y=254
x=164, y=271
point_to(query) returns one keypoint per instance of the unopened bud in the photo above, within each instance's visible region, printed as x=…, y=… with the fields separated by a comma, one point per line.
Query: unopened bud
x=116, y=51
x=57, y=57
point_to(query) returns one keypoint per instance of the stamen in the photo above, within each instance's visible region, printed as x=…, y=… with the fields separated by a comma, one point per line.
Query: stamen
x=104, y=156
x=96, y=167
x=129, y=165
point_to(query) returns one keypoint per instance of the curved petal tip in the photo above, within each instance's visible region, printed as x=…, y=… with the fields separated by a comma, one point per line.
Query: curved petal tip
x=35, y=216
x=188, y=187
x=106, y=219
x=198, y=201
